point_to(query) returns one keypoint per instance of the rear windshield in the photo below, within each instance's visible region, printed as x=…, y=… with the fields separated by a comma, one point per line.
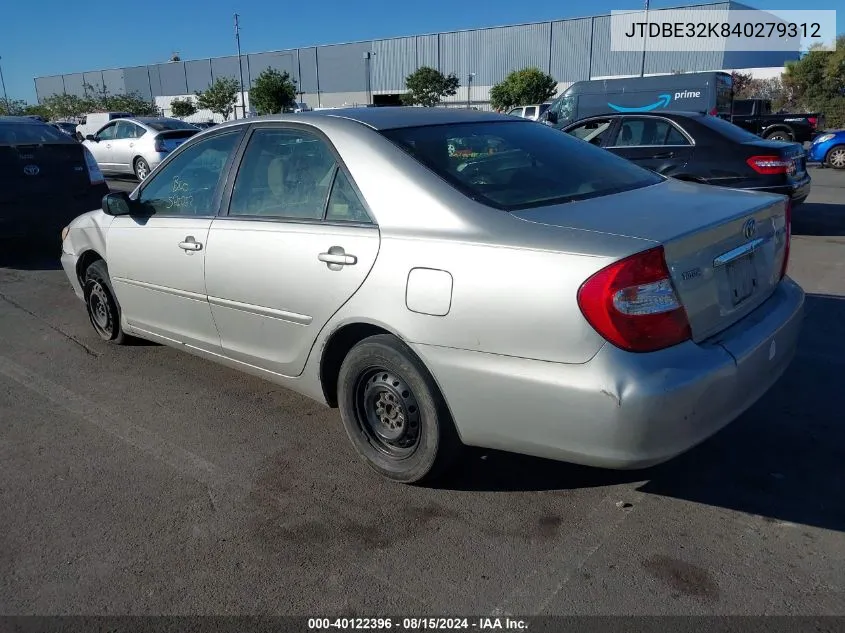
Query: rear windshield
x=29, y=134
x=728, y=130
x=161, y=126
x=515, y=165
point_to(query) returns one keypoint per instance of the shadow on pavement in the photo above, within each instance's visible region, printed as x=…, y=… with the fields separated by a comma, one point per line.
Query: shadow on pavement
x=783, y=459
x=31, y=256
x=825, y=219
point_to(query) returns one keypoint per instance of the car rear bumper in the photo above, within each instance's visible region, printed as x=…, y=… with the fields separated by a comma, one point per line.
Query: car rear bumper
x=619, y=410
x=797, y=191
x=46, y=215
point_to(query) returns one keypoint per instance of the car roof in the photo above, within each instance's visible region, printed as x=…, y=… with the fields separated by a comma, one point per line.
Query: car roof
x=21, y=119
x=392, y=117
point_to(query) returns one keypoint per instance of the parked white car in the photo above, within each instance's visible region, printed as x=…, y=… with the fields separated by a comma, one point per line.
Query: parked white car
x=93, y=121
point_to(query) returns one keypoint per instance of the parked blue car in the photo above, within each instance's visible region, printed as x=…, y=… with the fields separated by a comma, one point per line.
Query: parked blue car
x=829, y=149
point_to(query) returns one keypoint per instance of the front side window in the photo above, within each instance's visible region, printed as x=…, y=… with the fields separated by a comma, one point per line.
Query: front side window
x=108, y=133
x=285, y=173
x=530, y=112
x=186, y=185
x=593, y=131
x=515, y=165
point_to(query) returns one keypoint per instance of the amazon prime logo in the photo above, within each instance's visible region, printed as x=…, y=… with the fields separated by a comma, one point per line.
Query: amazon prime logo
x=31, y=170
x=749, y=229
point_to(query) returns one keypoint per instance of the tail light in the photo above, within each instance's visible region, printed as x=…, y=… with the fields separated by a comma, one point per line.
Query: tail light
x=814, y=121
x=788, y=236
x=95, y=175
x=632, y=303
x=769, y=165
x=713, y=112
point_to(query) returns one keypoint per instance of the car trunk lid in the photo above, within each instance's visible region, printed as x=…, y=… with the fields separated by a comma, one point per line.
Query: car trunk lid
x=37, y=169
x=724, y=248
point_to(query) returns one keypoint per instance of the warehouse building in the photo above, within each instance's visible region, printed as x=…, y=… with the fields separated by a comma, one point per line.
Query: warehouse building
x=373, y=72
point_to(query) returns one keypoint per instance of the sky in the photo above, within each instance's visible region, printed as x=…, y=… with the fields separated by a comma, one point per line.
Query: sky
x=52, y=37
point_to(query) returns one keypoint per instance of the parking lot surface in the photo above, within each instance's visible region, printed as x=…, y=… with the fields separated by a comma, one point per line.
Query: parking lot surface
x=142, y=480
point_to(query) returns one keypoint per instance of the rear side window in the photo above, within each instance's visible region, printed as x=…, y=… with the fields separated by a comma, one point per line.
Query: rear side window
x=29, y=134
x=743, y=108
x=728, y=130
x=515, y=165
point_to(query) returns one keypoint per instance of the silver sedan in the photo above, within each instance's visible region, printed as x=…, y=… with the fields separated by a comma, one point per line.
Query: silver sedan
x=448, y=277
x=136, y=146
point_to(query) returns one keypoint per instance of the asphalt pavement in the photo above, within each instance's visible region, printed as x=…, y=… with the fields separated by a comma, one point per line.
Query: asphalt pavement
x=143, y=480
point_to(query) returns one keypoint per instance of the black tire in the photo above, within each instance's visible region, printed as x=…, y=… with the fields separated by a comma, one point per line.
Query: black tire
x=836, y=157
x=142, y=169
x=393, y=412
x=779, y=135
x=103, y=309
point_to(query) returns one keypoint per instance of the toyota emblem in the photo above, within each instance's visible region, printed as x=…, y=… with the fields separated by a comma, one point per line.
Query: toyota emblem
x=749, y=229
x=31, y=170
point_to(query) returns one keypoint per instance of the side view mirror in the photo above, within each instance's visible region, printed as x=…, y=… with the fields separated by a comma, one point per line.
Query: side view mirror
x=551, y=116
x=118, y=203
x=90, y=137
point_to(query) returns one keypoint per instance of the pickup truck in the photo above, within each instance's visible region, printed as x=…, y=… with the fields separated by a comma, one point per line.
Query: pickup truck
x=755, y=115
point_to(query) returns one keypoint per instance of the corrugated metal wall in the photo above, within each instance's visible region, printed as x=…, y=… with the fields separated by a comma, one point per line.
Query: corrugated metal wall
x=570, y=50
x=114, y=81
x=393, y=60
x=493, y=53
x=47, y=86
x=137, y=80
x=283, y=61
x=342, y=67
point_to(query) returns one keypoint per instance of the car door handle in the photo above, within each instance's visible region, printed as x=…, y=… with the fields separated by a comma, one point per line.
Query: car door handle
x=190, y=244
x=664, y=155
x=337, y=256
x=131, y=144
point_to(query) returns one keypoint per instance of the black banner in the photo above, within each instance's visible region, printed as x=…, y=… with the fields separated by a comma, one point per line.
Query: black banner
x=561, y=624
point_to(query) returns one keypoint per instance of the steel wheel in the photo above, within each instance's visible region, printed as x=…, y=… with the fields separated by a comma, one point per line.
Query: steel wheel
x=836, y=157
x=387, y=412
x=142, y=170
x=393, y=411
x=101, y=305
x=99, y=309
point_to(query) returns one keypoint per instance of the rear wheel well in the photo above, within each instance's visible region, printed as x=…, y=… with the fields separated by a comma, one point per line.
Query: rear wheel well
x=335, y=351
x=85, y=260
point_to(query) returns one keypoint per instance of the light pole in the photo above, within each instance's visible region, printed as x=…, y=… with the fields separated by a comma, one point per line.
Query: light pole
x=240, y=66
x=642, y=68
x=469, y=88
x=3, y=81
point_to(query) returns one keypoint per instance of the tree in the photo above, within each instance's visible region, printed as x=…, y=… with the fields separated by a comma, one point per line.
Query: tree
x=12, y=107
x=65, y=106
x=427, y=86
x=816, y=82
x=220, y=97
x=182, y=107
x=272, y=92
x=523, y=87
x=742, y=83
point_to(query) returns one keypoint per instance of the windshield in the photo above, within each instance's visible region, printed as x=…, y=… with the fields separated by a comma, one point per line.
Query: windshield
x=513, y=165
x=161, y=125
x=29, y=134
x=728, y=130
